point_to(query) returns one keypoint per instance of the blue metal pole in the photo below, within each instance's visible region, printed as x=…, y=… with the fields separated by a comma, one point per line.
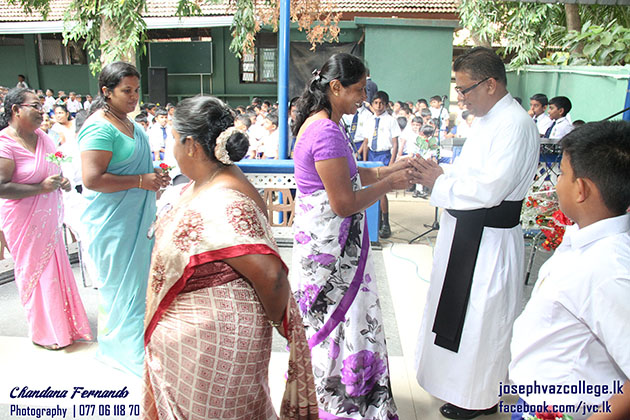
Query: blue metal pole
x=626, y=115
x=283, y=77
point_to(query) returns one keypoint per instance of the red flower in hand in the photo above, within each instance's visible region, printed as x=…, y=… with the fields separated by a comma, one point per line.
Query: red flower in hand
x=164, y=166
x=59, y=155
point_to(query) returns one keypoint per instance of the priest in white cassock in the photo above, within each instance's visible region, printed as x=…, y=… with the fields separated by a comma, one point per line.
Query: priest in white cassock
x=477, y=276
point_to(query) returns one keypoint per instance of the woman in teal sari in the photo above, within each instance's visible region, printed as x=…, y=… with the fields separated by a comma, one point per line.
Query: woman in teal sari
x=120, y=185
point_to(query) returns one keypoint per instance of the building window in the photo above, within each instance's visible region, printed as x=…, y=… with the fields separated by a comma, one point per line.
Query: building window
x=52, y=51
x=261, y=66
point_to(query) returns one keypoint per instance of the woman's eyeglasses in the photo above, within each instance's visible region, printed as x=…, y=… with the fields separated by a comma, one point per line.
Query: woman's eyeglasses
x=36, y=106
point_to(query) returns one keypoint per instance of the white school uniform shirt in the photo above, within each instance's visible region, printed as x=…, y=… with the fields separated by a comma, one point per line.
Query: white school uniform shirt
x=497, y=163
x=156, y=137
x=562, y=127
x=410, y=137
x=87, y=105
x=388, y=128
x=270, y=144
x=443, y=115
x=576, y=326
x=73, y=106
x=364, y=115
x=542, y=122
x=49, y=104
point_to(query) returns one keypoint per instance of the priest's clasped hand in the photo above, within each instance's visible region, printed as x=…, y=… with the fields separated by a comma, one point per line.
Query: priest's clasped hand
x=426, y=171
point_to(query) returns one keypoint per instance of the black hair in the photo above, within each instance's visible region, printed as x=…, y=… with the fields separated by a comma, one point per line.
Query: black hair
x=402, y=122
x=427, y=130
x=110, y=77
x=346, y=68
x=15, y=96
x=519, y=100
x=256, y=101
x=578, y=123
x=481, y=63
x=79, y=119
x=422, y=101
x=435, y=98
x=161, y=111
x=205, y=117
x=265, y=102
x=22, y=76
x=600, y=151
x=141, y=118
x=540, y=98
x=245, y=119
x=417, y=120
x=561, y=102
x=425, y=112
x=273, y=117
x=382, y=95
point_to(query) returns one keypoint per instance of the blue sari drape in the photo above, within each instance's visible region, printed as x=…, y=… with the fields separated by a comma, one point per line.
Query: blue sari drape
x=117, y=225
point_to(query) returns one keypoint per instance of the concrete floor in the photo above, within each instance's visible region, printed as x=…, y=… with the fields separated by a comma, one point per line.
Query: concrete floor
x=403, y=272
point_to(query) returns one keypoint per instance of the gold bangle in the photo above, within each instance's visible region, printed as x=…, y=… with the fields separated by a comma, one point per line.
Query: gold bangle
x=140, y=181
x=378, y=173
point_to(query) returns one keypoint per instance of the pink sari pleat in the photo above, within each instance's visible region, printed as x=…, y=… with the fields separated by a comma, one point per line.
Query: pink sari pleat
x=33, y=228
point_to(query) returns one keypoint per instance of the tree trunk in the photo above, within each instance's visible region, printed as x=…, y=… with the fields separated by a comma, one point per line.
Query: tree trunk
x=574, y=23
x=108, y=33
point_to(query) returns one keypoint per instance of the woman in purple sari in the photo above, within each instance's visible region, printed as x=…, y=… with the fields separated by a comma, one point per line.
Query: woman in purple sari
x=31, y=214
x=333, y=278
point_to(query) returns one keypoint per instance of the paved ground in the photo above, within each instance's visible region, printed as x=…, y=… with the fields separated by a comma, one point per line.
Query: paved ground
x=402, y=270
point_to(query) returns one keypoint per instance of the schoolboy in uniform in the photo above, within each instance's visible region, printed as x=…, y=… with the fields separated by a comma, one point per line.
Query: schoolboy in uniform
x=354, y=127
x=560, y=126
x=537, y=107
x=160, y=134
x=575, y=326
x=381, y=145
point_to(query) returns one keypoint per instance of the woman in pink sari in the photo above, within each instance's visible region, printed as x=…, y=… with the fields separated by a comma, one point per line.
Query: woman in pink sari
x=31, y=216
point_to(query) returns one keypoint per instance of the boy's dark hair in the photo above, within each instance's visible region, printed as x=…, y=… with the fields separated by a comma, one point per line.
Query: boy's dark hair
x=427, y=130
x=273, y=117
x=256, y=101
x=382, y=95
x=435, y=98
x=245, y=119
x=422, y=101
x=561, y=102
x=465, y=115
x=481, y=63
x=141, y=118
x=161, y=111
x=540, y=98
x=265, y=102
x=600, y=151
x=417, y=120
x=425, y=112
x=402, y=122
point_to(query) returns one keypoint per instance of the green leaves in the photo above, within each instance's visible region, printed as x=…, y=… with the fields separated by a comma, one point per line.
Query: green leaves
x=536, y=32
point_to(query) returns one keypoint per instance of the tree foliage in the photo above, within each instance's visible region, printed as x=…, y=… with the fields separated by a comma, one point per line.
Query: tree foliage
x=115, y=29
x=531, y=33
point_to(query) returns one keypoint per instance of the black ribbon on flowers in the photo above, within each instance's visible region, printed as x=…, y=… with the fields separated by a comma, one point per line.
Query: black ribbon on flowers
x=451, y=310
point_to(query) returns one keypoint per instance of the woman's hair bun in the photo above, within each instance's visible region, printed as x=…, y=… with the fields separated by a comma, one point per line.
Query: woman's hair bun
x=237, y=146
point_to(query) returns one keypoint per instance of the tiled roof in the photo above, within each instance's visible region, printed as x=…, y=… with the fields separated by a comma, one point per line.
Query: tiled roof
x=167, y=8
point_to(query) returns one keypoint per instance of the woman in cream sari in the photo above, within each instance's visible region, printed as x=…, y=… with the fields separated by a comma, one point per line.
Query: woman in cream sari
x=217, y=286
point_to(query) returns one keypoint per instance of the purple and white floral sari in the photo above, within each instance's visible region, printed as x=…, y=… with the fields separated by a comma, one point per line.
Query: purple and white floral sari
x=333, y=281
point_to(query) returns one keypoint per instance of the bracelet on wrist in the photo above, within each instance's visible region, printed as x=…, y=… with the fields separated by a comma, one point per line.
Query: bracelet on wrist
x=140, y=181
x=274, y=324
x=378, y=173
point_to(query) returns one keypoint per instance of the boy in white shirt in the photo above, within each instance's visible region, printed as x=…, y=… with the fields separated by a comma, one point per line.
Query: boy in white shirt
x=270, y=142
x=73, y=105
x=159, y=134
x=574, y=332
x=438, y=112
x=537, y=107
x=354, y=127
x=380, y=144
x=559, y=107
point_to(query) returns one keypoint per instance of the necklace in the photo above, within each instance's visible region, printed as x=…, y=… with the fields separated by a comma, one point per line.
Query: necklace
x=126, y=123
x=23, y=142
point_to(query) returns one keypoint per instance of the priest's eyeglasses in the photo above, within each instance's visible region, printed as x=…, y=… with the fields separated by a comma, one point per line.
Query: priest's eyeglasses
x=463, y=92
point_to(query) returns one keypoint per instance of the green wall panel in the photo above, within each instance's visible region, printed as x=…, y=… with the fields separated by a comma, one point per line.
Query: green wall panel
x=13, y=63
x=74, y=78
x=409, y=62
x=595, y=92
